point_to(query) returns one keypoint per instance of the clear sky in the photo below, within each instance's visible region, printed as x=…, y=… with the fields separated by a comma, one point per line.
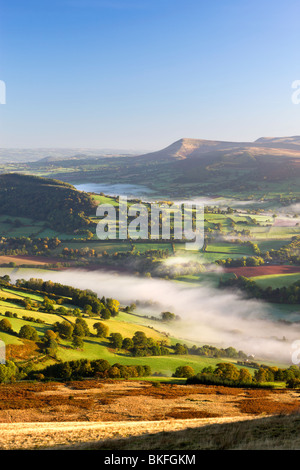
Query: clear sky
x=140, y=74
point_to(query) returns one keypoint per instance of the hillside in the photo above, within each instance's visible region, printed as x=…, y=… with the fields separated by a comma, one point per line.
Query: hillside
x=190, y=167
x=185, y=148
x=57, y=203
x=266, y=165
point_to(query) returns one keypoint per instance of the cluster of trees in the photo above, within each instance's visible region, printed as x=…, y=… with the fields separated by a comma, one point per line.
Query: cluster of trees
x=286, y=295
x=65, y=330
x=144, y=263
x=74, y=332
x=8, y=372
x=289, y=252
x=138, y=345
x=241, y=262
x=28, y=246
x=225, y=373
x=5, y=326
x=264, y=373
x=209, y=351
x=87, y=252
x=63, y=208
x=74, y=253
x=85, y=299
x=83, y=368
x=10, y=314
x=184, y=372
x=26, y=331
x=168, y=317
x=228, y=374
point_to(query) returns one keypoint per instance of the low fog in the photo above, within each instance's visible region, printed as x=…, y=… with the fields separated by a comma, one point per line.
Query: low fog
x=208, y=315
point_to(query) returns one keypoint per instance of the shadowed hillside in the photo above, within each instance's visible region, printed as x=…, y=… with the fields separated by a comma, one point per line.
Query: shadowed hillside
x=59, y=204
x=272, y=433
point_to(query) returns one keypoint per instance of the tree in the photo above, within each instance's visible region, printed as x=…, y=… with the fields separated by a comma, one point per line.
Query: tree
x=105, y=314
x=88, y=310
x=180, y=349
x=49, y=335
x=139, y=339
x=8, y=371
x=226, y=370
x=48, y=304
x=245, y=376
x=293, y=383
x=65, y=329
x=81, y=323
x=77, y=342
x=50, y=343
x=207, y=370
x=5, y=326
x=100, y=366
x=78, y=331
x=116, y=340
x=167, y=316
x=260, y=375
x=50, y=347
x=65, y=371
x=231, y=352
x=127, y=344
x=102, y=329
x=28, y=332
x=113, y=305
x=114, y=373
x=184, y=372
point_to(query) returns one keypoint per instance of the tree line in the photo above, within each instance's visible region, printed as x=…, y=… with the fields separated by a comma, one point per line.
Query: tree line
x=86, y=299
x=286, y=295
x=228, y=374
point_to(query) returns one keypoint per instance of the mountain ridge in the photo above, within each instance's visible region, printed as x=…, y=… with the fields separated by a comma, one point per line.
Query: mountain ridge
x=190, y=147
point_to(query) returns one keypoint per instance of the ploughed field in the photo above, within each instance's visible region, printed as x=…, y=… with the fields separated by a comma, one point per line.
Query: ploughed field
x=50, y=414
x=267, y=270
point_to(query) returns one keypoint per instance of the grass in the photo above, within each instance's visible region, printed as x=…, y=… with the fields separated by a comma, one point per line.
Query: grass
x=21, y=294
x=126, y=324
x=277, y=280
x=205, y=277
x=99, y=348
x=271, y=433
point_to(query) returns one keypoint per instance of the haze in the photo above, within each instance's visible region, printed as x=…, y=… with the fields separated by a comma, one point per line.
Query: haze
x=208, y=315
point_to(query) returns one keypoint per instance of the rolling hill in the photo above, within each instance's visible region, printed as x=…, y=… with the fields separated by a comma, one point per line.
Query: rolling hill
x=268, y=167
x=59, y=204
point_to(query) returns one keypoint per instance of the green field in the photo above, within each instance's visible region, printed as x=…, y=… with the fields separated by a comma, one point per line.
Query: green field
x=276, y=280
x=98, y=348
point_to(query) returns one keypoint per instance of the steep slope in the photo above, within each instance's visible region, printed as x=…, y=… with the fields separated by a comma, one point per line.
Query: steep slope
x=184, y=148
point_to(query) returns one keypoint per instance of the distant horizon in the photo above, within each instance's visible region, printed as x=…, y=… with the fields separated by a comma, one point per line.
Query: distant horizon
x=134, y=150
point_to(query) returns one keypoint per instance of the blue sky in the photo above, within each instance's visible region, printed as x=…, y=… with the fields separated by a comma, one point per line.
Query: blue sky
x=141, y=74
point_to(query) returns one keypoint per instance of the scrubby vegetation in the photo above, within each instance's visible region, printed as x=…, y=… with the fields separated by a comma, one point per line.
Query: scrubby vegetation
x=227, y=374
